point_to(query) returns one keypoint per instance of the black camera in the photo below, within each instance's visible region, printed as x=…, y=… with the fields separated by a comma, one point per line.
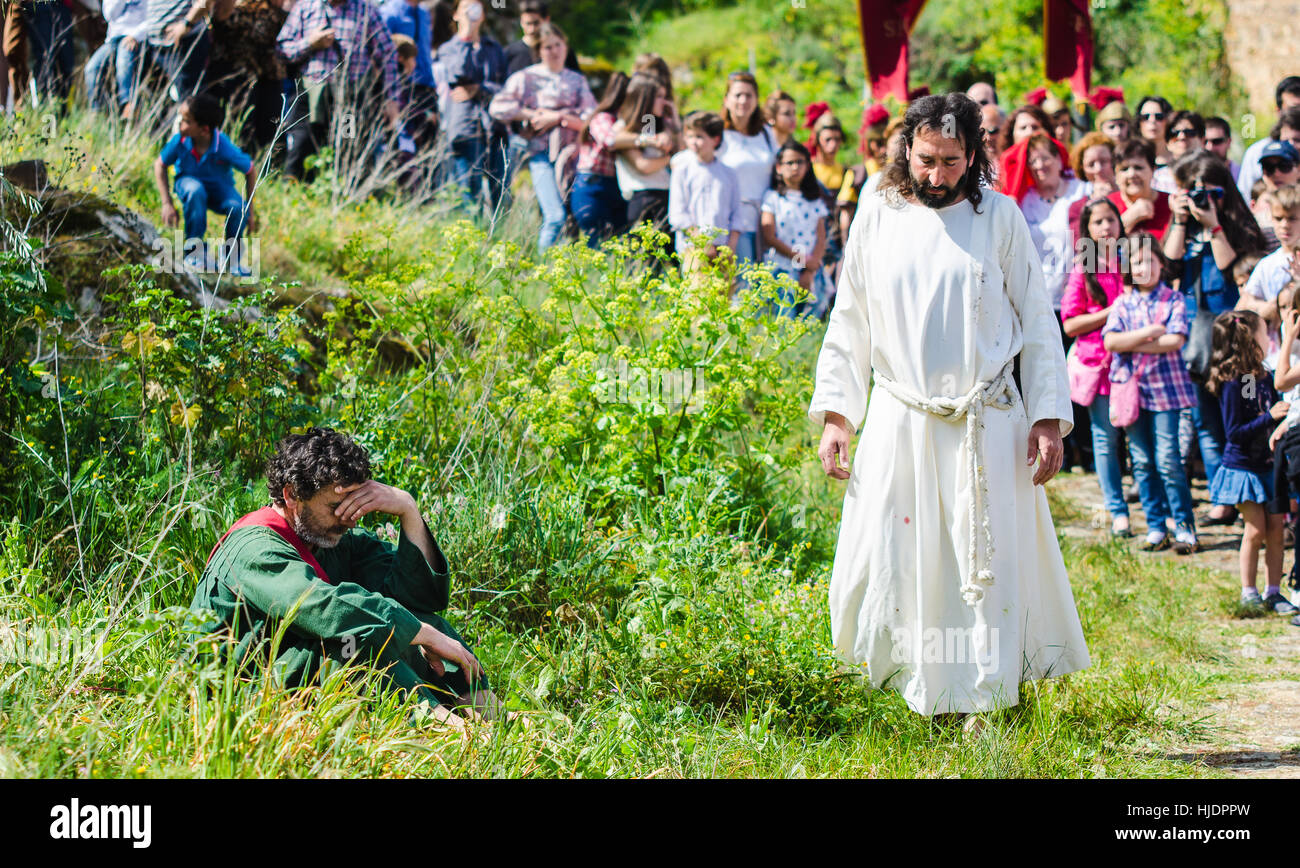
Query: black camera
x=1201, y=196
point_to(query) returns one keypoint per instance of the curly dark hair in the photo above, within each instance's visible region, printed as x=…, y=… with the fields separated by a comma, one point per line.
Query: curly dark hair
x=939, y=112
x=1236, y=353
x=309, y=462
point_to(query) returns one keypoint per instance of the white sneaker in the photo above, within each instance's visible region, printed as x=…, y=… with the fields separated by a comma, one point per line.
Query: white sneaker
x=1156, y=540
x=1185, y=542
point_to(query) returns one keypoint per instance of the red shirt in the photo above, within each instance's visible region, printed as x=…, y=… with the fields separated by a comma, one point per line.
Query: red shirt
x=1157, y=224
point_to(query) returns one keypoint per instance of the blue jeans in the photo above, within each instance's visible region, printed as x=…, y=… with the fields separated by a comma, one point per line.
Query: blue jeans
x=124, y=60
x=467, y=163
x=198, y=197
x=1208, y=419
x=516, y=149
x=746, y=248
x=746, y=252
x=1106, y=456
x=548, y=199
x=598, y=206
x=1159, y=470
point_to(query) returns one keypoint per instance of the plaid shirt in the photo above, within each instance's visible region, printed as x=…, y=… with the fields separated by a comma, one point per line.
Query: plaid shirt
x=361, y=42
x=1165, y=383
x=536, y=87
x=597, y=155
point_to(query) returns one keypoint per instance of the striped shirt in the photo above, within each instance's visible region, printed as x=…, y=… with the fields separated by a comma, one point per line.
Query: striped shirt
x=162, y=14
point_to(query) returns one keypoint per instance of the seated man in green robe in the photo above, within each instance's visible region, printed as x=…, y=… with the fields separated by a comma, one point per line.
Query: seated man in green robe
x=350, y=595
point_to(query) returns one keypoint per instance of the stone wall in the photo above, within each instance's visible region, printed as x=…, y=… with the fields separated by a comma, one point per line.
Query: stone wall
x=1263, y=46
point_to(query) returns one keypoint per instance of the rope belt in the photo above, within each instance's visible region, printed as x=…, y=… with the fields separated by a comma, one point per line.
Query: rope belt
x=1000, y=393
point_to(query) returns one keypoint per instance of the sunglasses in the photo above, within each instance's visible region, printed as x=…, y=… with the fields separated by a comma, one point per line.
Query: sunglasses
x=1183, y=133
x=991, y=131
x=1215, y=142
x=1152, y=116
x=1271, y=166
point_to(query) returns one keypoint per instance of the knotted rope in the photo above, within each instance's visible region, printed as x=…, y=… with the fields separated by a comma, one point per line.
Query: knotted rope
x=1000, y=393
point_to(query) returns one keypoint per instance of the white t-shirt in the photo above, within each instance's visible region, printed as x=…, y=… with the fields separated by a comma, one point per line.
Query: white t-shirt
x=751, y=157
x=796, y=223
x=629, y=179
x=1049, y=227
x=1162, y=180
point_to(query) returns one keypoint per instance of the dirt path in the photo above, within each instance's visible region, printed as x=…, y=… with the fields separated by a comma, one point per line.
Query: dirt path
x=1257, y=708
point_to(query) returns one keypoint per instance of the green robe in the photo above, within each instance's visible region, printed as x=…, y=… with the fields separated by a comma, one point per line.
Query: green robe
x=379, y=595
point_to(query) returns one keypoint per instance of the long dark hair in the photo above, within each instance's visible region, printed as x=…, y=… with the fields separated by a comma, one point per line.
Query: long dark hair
x=610, y=101
x=942, y=112
x=1141, y=242
x=639, y=101
x=1239, y=225
x=811, y=190
x=1236, y=353
x=1094, y=286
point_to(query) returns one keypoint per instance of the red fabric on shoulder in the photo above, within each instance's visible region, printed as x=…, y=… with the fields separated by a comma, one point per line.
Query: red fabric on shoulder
x=1013, y=171
x=268, y=517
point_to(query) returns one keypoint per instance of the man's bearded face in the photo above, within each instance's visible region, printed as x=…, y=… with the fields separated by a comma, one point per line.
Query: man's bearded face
x=315, y=522
x=937, y=165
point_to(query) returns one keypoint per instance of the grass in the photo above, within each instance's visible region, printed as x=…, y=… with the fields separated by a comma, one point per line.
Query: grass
x=683, y=636
x=596, y=709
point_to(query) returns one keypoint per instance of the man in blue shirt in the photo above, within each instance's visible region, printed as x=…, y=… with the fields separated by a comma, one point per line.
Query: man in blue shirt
x=204, y=158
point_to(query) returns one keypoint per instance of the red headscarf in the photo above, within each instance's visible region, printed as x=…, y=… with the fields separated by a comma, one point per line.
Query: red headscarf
x=1104, y=96
x=1014, y=174
x=811, y=114
x=1036, y=97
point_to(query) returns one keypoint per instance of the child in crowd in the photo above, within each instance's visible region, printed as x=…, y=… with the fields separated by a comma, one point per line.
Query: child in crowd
x=1145, y=331
x=1275, y=271
x=703, y=192
x=1251, y=412
x=203, y=158
x=1285, y=441
x=1243, y=268
x=1089, y=297
x=793, y=220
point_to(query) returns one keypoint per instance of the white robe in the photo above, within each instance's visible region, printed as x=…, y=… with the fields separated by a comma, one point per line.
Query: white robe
x=915, y=306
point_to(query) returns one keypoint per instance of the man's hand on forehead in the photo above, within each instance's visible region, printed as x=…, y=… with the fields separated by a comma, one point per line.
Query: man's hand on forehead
x=361, y=499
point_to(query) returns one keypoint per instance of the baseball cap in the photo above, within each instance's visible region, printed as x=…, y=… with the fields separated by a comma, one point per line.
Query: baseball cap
x=1285, y=150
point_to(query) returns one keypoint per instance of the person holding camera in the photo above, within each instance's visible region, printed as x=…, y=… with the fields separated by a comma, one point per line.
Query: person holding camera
x=1210, y=227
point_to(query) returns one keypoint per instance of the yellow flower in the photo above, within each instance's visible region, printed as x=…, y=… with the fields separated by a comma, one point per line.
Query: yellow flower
x=663, y=644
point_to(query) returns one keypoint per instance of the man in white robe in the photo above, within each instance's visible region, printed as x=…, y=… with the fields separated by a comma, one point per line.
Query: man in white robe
x=948, y=582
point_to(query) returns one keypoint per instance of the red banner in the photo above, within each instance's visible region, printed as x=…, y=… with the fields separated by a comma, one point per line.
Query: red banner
x=1067, y=43
x=886, y=26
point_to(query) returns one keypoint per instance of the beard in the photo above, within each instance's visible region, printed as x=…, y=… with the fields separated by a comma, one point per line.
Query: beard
x=936, y=197
x=317, y=535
